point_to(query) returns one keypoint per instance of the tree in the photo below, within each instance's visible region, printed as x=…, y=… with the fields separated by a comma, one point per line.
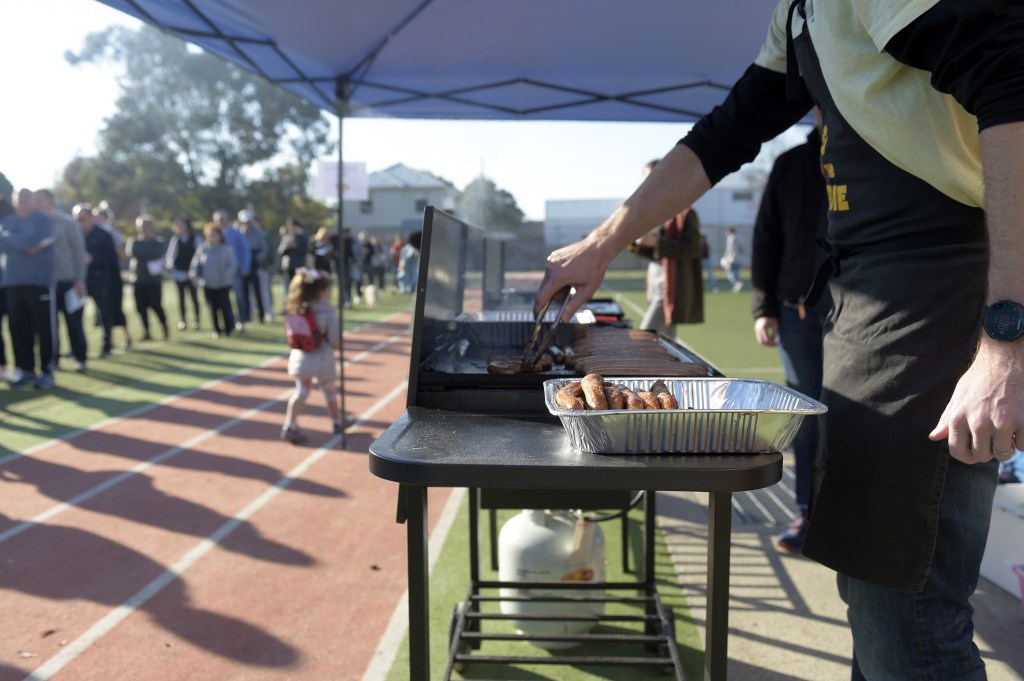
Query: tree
x=6, y=188
x=192, y=132
x=485, y=205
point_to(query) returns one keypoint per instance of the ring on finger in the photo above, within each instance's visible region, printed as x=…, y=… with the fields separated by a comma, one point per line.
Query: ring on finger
x=996, y=452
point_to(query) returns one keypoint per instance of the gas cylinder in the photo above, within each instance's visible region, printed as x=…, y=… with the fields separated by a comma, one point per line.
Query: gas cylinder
x=550, y=546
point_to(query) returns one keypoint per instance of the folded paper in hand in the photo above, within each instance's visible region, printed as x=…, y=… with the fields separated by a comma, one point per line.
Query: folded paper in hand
x=73, y=300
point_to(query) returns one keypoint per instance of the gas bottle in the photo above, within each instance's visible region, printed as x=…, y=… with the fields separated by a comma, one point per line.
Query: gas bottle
x=550, y=546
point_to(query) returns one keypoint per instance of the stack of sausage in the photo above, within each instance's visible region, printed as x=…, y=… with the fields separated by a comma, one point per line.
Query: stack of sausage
x=627, y=352
x=593, y=392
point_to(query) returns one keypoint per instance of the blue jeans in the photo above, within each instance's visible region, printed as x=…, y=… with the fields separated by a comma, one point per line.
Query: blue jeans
x=928, y=636
x=800, y=349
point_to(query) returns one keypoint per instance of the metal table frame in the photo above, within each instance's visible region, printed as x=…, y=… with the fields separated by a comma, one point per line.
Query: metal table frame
x=435, y=448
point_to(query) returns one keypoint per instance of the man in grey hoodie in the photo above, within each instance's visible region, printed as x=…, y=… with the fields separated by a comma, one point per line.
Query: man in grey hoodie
x=29, y=277
x=69, y=252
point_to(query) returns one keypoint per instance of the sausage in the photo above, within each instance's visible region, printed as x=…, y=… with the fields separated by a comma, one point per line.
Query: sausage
x=665, y=398
x=616, y=400
x=649, y=399
x=593, y=391
x=566, y=400
x=575, y=388
x=632, y=401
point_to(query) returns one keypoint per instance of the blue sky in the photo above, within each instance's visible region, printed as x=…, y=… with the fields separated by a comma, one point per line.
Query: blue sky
x=54, y=111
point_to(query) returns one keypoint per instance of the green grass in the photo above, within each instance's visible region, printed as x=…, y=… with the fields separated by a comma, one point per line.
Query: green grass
x=148, y=373
x=726, y=338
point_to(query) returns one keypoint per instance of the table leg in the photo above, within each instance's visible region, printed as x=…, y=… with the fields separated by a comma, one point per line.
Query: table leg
x=716, y=634
x=419, y=584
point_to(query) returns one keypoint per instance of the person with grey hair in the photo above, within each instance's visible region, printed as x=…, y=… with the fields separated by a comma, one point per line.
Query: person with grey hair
x=69, y=251
x=29, y=277
x=252, y=283
x=146, y=269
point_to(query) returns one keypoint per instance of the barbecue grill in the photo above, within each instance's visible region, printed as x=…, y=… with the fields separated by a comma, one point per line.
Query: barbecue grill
x=463, y=319
x=492, y=433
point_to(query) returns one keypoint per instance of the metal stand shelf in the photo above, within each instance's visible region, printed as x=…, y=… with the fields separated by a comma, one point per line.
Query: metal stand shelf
x=437, y=448
x=466, y=632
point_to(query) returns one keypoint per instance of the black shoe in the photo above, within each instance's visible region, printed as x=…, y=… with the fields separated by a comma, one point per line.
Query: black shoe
x=792, y=540
x=24, y=382
x=106, y=353
x=44, y=381
x=293, y=435
x=145, y=337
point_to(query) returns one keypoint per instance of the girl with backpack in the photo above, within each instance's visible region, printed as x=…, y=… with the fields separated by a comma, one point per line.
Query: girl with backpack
x=314, y=335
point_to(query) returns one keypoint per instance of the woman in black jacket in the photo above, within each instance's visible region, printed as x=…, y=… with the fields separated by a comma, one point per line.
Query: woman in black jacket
x=179, y=256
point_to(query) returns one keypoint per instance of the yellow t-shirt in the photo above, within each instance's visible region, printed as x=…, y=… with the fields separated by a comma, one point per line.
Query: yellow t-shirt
x=893, y=107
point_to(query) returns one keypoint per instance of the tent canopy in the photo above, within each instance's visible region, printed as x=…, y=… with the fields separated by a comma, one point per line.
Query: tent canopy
x=597, y=60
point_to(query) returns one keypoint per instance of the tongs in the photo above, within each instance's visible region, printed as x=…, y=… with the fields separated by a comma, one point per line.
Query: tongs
x=538, y=345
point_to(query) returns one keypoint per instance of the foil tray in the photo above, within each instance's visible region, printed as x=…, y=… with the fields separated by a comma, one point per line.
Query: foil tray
x=716, y=416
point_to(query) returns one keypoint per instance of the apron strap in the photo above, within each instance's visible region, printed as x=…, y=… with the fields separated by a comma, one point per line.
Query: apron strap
x=794, y=84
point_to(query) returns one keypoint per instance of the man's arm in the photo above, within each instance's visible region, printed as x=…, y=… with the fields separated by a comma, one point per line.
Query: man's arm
x=986, y=412
x=755, y=110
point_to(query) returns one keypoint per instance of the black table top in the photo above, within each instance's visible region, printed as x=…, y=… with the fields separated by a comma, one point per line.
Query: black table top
x=436, y=448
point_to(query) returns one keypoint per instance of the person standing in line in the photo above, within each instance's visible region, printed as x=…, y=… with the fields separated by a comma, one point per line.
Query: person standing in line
x=395, y=253
x=353, y=271
x=257, y=239
x=180, y=251
x=103, y=274
x=923, y=155
x=6, y=373
x=214, y=269
x=146, y=253
x=730, y=259
x=322, y=248
x=292, y=251
x=69, y=253
x=409, y=263
x=30, y=278
x=310, y=292
x=705, y=257
x=239, y=245
x=103, y=219
x=675, y=286
x=792, y=217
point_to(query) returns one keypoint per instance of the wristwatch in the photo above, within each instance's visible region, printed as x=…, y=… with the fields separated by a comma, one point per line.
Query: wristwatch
x=1004, y=320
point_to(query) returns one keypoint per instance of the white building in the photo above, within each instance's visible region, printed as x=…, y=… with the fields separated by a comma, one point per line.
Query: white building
x=732, y=205
x=397, y=197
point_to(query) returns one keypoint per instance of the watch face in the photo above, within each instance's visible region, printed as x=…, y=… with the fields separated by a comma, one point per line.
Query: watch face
x=1004, y=321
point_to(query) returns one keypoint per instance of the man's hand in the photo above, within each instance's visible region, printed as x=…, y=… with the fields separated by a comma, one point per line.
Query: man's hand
x=766, y=330
x=79, y=287
x=650, y=240
x=986, y=412
x=985, y=416
x=582, y=265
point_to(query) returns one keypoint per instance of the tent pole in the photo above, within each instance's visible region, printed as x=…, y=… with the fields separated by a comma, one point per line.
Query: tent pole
x=341, y=265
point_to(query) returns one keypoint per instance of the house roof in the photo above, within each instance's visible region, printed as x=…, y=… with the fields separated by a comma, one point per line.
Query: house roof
x=401, y=176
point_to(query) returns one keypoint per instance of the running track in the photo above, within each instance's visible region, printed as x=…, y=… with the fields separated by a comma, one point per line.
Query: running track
x=187, y=541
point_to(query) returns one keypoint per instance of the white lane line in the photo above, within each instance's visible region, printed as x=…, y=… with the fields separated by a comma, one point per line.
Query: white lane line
x=170, y=398
x=107, y=623
x=79, y=499
x=394, y=636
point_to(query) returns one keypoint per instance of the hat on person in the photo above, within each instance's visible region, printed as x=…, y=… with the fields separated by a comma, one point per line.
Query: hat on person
x=245, y=215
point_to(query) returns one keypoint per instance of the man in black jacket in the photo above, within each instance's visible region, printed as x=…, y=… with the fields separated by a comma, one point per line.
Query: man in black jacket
x=792, y=217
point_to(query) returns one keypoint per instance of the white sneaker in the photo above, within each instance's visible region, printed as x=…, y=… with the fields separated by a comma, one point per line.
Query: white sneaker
x=737, y=287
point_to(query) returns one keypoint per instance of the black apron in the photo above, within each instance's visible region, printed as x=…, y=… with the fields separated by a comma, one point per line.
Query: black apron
x=908, y=293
